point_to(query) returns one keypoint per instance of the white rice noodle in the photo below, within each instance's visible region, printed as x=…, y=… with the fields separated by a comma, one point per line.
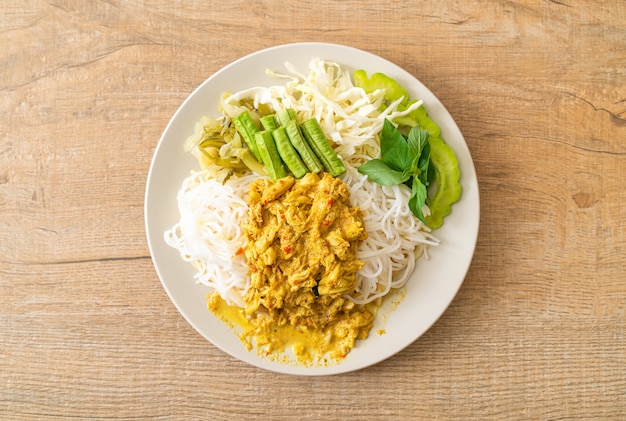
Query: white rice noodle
x=209, y=233
x=396, y=238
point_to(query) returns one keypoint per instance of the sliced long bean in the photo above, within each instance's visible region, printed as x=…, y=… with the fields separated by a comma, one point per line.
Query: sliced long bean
x=285, y=115
x=316, y=138
x=288, y=153
x=269, y=122
x=301, y=145
x=247, y=129
x=269, y=154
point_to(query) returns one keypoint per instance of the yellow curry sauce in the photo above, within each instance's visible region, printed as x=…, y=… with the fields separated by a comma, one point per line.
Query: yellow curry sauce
x=302, y=239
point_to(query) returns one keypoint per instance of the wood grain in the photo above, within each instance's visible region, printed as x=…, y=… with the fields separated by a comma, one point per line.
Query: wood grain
x=538, y=330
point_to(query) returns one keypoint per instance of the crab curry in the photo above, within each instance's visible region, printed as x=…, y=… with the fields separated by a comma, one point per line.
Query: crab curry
x=302, y=239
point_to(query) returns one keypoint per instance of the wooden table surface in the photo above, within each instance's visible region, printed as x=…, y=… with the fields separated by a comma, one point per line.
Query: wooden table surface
x=538, y=329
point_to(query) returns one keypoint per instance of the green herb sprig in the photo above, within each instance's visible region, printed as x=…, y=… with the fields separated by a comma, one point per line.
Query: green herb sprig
x=403, y=159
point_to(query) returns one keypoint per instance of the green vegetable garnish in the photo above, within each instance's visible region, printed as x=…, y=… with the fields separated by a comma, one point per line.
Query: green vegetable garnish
x=267, y=149
x=419, y=116
x=301, y=145
x=417, y=160
x=247, y=128
x=285, y=115
x=288, y=153
x=446, y=168
x=402, y=160
x=314, y=134
x=436, y=165
x=269, y=122
x=284, y=145
x=393, y=92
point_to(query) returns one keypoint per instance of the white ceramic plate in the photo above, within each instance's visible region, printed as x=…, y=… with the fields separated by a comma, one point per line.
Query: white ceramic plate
x=435, y=281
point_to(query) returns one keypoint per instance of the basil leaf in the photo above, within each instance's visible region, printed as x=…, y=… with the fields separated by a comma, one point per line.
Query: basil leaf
x=380, y=173
x=394, y=150
x=423, y=163
x=431, y=173
x=418, y=199
x=417, y=140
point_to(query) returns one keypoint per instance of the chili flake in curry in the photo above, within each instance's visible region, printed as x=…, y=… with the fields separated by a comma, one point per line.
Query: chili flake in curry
x=302, y=240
